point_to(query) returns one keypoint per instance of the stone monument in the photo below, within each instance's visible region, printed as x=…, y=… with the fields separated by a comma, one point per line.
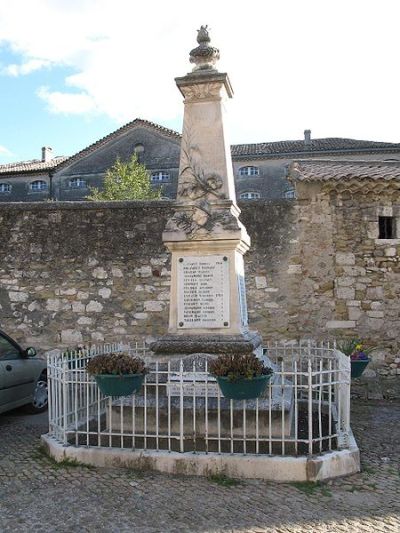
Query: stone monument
x=208, y=310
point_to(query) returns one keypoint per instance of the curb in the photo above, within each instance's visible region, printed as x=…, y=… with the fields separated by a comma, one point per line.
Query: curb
x=269, y=468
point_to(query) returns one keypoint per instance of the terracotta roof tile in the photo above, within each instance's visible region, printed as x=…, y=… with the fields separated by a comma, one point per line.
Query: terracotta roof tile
x=326, y=170
x=316, y=146
x=31, y=166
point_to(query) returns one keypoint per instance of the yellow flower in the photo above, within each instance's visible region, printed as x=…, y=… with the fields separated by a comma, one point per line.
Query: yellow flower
x=358, y=347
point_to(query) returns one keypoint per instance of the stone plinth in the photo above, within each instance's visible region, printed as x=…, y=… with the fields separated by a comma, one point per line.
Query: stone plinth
x=157, y=418
x=181, y=345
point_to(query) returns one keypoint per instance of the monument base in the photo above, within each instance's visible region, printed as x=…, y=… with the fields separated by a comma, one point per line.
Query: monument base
x=196, y=422
x=181, y=345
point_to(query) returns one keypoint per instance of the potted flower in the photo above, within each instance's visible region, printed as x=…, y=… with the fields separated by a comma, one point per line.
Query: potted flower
x=117, y=374
x=358, y=355
x=240, y=377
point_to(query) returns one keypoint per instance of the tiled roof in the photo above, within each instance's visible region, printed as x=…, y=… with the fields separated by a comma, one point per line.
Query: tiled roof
x=316, y=146
x=325, y=170
x=104, y=140
x=34, y=165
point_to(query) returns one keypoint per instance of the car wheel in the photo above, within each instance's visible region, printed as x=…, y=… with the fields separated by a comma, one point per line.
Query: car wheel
x=40, y=396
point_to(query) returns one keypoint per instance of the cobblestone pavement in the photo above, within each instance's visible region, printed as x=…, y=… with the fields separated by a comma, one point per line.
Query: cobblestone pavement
x=38, y=495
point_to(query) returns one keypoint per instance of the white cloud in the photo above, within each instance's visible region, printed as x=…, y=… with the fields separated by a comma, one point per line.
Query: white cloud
x=328, y=66
x=67, y=103
x=4, y=150
x=5, y=153
x=25, y=68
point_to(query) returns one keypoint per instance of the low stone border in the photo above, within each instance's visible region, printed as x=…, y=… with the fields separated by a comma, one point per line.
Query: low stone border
x=316, y=468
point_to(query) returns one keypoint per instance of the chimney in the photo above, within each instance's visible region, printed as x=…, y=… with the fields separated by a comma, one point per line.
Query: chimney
x=307, y=137
x=47, y=154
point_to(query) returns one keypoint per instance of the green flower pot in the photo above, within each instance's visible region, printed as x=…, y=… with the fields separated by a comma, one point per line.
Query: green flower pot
x=358, y=366
x=243, y=388
x=115, y=385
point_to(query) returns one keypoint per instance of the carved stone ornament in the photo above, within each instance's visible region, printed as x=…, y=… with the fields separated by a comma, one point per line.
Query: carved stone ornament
x=203, y=91
x=198, y=221
x=194, y=182
x=204, y=56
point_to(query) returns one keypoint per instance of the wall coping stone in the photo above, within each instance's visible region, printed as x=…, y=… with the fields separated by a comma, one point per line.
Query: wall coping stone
x=76, y=205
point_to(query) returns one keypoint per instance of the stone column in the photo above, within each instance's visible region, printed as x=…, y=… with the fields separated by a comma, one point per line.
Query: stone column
x=208, y=310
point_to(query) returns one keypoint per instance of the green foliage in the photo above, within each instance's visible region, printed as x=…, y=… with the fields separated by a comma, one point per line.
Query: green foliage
x=348, y=346
x=126, y=181
x=41, y=454
x=224, y=481
x=368, y=470
x=238, y=366
x=67, y=462
x=115, y=363
x=352, y=346
x=310, y=487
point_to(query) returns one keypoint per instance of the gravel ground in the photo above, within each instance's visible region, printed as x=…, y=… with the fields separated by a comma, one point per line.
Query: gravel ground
x=38, y=495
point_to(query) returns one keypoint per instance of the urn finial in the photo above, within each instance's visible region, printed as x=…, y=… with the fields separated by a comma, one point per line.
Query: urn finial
x=204, y=56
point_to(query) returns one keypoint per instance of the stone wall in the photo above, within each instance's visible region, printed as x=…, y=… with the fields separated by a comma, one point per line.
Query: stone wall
x=81, y=272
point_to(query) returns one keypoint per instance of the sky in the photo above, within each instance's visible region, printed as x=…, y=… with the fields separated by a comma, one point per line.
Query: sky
x=73, y=71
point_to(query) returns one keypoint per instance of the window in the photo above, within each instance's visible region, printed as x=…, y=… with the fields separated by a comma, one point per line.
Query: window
x=5, y=187
x=249, y=171
x=38, y=185
x=8, y=350
x=162, y=175
x=387, y=228
x=139, y=151
x=250, y=195
x=77, y=183
x=139, y=148
x=291, y=193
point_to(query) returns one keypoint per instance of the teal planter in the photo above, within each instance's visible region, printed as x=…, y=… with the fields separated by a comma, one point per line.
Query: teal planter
x=358, y=366
x=243, y=388
x=115, y=385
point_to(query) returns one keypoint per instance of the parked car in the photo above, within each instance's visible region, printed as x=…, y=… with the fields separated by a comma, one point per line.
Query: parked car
x=23, y=379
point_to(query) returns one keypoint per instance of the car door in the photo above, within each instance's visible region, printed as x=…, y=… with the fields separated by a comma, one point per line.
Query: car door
x=17, y=377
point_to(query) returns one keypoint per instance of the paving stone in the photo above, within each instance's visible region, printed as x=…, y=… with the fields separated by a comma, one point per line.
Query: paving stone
x=38, y=495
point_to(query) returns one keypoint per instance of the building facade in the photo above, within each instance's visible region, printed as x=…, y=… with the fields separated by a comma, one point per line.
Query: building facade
x=260, y=169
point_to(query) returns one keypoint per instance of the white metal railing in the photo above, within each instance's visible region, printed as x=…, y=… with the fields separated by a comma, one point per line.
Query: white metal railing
x=305, y=410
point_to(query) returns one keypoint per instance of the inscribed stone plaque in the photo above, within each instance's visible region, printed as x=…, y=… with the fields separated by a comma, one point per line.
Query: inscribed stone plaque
x=192, y=384
x=203, y=291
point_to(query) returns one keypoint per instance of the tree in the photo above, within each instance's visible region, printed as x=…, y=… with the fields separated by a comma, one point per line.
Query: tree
x=126, y=181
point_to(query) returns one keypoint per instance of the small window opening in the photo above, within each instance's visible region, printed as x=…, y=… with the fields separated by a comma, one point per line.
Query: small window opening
x=77, y=183
x=249, y=171
x=290, y=193
x=250, y=195
x=386, y=228
x=139, y=151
